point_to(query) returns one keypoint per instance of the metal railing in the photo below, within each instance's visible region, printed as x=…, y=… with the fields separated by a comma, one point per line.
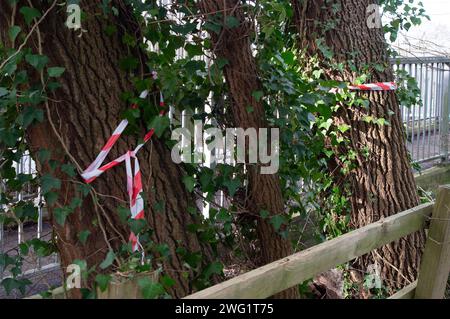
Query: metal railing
x=17, y=232
x=427, y=125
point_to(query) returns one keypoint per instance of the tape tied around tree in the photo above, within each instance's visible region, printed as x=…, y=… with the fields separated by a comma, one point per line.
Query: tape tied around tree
x=379, y=86
x=134, y=179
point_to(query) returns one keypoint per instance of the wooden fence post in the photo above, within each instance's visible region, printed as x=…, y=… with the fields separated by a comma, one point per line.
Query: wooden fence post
x=435, y=267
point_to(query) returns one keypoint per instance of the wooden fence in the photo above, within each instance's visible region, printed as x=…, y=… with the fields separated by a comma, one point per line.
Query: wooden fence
x=288, y=272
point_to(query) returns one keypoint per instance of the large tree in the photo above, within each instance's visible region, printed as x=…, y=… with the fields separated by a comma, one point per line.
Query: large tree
x=241, y=73
x=79, y=118
x=382, y=183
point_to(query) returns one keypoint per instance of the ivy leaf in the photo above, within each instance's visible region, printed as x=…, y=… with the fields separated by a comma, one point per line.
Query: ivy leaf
x=167, y=281
x=206, y=179
x=108, y=260
x=24, y=249
x=3, y=91
x=51, y=198
x=189, y=183
x=43, y=155
x=128, y=63
x=193, y=50
x=84, y=189
x=60, y=214
x=264, y=214
x=42, y=248
x=343, y=128
x=416, y=20
x=37, y=61
x=368, y=119
x=150, y=289
x=160, y=124
x=382, y=122
x=103, y=281
x=221, y=62
x=29, y=14
x=69, y=169
x=232, y=186
x=14, y=32
x=137, y=225
x=258, y=95
x=75, y=203
x=163, y=250
x=212, y=26
x=124, y=213
x=87, y=293
x=10, y=67
x=231, y=22
x=184, y=29
x=29, y=115
x=214, y=268
x=26, y=210
x=82, y=263
x=48, y=182
x=326, y=51
x=11, y=283
x=5, y=260
x=288, y=57
x=277, y=221
x=83, y=236
x=326, y=125
x=9, y=137
x=55, y=72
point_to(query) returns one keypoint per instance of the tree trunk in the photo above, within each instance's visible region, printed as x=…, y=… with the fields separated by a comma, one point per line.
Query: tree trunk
x=382, y=184
x=241, y=74
x=85, y=111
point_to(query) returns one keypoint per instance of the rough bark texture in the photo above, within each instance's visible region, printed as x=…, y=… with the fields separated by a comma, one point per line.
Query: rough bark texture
x=87, y=111
x=241, y=75
x=382, y=184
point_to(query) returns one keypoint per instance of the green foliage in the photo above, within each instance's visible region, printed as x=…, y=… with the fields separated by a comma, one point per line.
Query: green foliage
x=150, y=289
x=14, y=32
x=29, y=14
x=83, y=236
x=37, y=61
x=48, y=183
x=103, y=281
x=108, y=260
x=12, y=283
x=55, y=72
x=402, y=16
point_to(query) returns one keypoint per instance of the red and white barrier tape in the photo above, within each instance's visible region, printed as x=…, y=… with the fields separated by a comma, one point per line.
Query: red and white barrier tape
x=134, y=180
x=380, y=86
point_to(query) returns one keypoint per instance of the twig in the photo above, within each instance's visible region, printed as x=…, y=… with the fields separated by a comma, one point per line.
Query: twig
x=28, y=35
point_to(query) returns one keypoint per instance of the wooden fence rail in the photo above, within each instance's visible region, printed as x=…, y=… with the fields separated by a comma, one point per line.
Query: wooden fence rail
x=295, y=269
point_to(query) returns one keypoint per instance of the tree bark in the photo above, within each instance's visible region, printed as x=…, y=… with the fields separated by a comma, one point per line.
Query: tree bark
x=85, y=111
x=241, y=74
x=382, y=184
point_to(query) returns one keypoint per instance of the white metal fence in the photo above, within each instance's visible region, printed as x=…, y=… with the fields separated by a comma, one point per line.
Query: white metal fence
x=17, y=232
x=427, y=125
